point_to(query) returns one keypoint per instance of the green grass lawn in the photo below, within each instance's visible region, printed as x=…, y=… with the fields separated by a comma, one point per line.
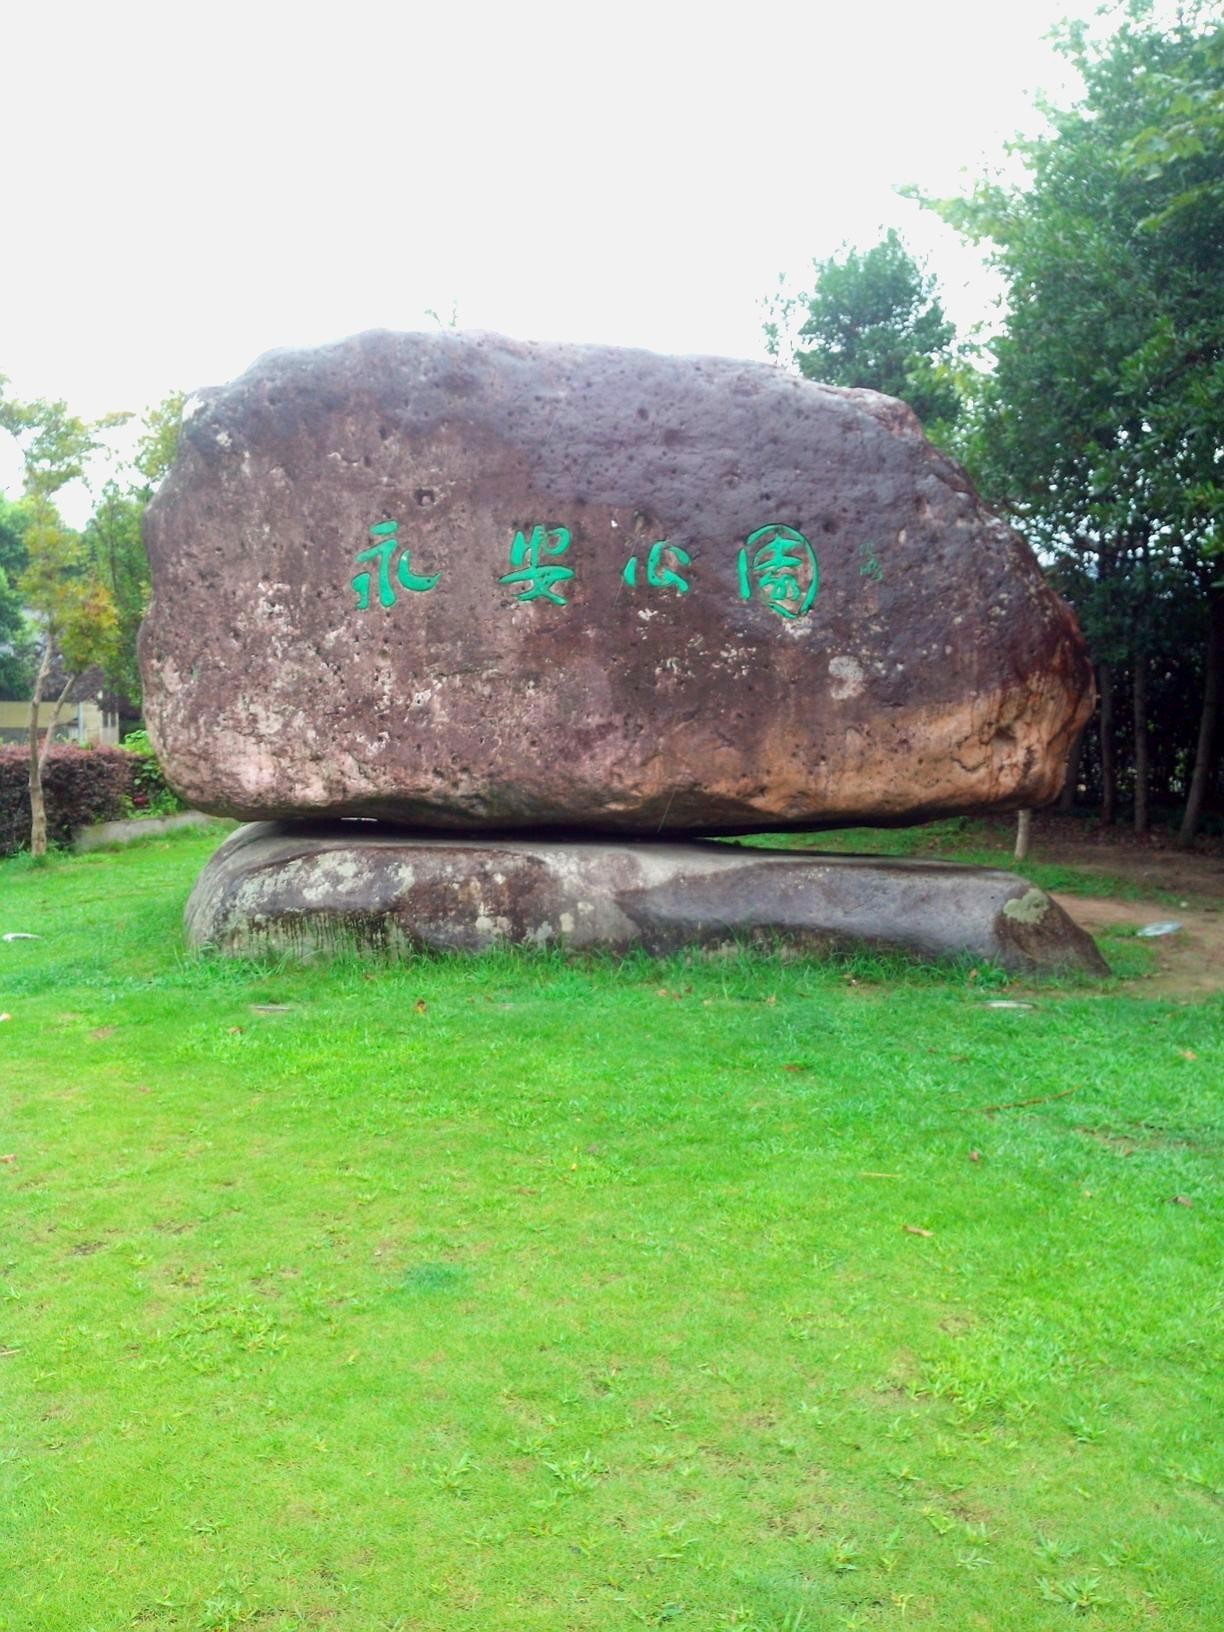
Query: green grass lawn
x=511, y=1293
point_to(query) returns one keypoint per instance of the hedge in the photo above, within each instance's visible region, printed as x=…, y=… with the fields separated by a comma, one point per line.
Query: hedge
x=153, y=795
x=80, y=786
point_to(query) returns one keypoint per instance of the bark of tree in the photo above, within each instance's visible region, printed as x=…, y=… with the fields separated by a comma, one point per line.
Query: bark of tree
x=1109, y=763
x=1209, y=721
x=38, y=755
x=1024, y=832
x=1142, y=772
x=1066, y=799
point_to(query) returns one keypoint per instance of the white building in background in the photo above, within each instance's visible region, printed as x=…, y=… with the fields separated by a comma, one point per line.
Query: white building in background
x=85, y=723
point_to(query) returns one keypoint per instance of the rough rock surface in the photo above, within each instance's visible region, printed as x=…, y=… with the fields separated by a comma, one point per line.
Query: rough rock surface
x=466, y=583
x=298, y=887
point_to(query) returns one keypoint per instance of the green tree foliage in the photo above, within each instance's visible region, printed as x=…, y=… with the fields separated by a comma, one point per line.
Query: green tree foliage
x=114, y=541
x=873, y=319
x=72, y=608
x=158, y=444
x=17, y=643
x=1099, y=427
x=1186, y=110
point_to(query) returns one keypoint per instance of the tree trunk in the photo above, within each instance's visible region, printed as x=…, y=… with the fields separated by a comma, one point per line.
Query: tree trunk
x=1024, y=831
x=38, y=756
x=1209, y=719
x=1066, y=799
x=1109, y=763
x=38, y=811
x=1142, y=772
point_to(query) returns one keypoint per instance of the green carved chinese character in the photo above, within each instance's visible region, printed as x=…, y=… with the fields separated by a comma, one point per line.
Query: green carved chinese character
x=383, y=552
x=778, y=566
x=530, y=569
x=658, y=575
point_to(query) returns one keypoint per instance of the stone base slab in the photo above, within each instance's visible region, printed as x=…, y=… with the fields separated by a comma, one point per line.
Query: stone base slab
x=300, y=888
x=129, y=829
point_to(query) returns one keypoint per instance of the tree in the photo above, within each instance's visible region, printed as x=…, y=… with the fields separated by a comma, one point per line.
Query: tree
x=16, y=638
x=158, y=445
x=114, y=548
x=1186, y=109
x=1098, y=429
x=872, y=320
x=1185, y=141
x=73, y=608
x=114, y=543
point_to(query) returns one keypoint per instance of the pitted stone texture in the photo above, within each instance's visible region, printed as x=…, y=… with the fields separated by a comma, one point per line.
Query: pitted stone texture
x=934, y=672
x=304, y=887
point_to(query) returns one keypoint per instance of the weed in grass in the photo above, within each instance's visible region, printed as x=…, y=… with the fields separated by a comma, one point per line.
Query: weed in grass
x=1121, y=1553
x=970, y=1559
x=576, y=1474
x=1084, y=1430
x=455, y=1478
x=843, y=1555
x=1051, y=1551
x=1081, y=1593
x=745, y=1620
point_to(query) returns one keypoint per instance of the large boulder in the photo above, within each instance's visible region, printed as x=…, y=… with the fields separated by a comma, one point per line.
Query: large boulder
x=467, y=583
x=300, y=887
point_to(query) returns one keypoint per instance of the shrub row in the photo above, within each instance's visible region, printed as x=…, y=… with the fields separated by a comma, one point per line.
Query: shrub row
x=80, y=786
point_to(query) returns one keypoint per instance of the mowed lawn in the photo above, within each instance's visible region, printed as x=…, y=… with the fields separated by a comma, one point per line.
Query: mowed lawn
x=512, y=1293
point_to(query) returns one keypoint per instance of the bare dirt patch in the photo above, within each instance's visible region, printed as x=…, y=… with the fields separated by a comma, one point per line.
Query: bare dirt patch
x=1189, y=963
x=1152, y=861
x=1181, y=872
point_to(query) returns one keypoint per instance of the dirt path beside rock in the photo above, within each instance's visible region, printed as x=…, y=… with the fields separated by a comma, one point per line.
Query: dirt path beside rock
x=1189, y=964
x=1183, y=873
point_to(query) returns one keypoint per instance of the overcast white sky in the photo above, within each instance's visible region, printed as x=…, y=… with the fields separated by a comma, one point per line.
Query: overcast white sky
x=186, y=187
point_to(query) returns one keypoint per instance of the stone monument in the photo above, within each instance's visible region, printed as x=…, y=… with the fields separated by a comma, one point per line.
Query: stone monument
x=492, y=639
